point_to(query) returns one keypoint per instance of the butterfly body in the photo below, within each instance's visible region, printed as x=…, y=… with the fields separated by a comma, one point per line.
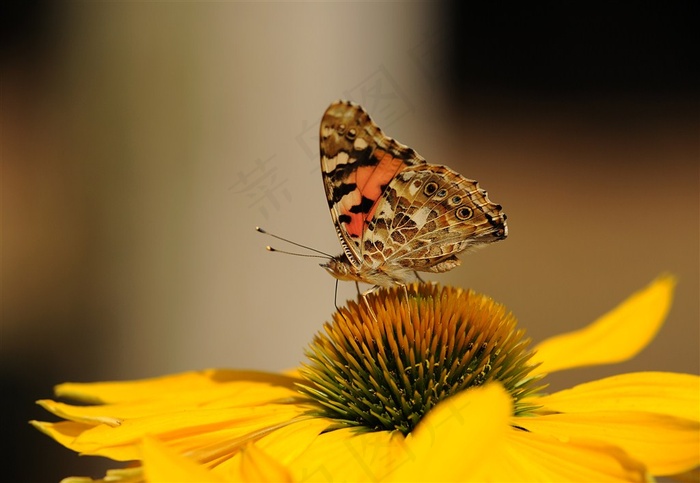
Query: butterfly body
x=395, y=214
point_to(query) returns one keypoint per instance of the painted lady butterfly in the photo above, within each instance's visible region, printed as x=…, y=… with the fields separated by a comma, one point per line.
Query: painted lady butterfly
x=394, y=213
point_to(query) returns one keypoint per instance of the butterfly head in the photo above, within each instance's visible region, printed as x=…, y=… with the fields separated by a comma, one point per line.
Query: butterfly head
x=341, y=268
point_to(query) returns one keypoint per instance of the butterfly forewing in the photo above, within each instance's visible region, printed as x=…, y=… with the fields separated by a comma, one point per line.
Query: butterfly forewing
x=357, y=163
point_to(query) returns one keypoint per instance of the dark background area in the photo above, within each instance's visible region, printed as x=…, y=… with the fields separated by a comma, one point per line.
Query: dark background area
x=573, y=50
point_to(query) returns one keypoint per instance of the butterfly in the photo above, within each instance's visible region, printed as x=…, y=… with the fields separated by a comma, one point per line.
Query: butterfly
x=394, y=213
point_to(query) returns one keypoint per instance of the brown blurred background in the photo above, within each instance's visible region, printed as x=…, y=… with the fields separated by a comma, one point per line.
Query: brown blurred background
x=143, y=142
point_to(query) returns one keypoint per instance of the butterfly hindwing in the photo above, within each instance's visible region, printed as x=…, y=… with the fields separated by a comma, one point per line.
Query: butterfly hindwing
x=427, y=216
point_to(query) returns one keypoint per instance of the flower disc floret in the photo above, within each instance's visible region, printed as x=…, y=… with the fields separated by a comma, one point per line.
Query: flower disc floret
x=386, y=360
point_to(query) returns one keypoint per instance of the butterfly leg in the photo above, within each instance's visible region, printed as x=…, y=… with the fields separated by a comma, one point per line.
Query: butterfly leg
x=408, y=303
x=364, y=295
x=335, y=296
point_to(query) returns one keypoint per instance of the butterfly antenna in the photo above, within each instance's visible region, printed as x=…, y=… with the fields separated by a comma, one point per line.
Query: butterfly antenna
x=270, y=249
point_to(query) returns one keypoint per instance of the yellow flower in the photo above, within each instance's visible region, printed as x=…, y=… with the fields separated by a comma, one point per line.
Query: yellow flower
x=429, y=384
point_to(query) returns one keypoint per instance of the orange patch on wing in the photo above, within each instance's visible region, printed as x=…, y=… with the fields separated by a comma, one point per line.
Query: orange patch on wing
x=354, y=228
x=372, y=179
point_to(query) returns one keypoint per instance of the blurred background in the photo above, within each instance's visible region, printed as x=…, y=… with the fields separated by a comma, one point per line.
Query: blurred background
x=143, y=142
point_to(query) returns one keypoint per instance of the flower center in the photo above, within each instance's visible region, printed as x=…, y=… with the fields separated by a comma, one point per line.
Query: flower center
x=384, y=362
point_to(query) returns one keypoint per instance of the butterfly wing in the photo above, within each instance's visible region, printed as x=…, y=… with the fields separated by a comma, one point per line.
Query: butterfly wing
x=427, y=215
x=358, y=163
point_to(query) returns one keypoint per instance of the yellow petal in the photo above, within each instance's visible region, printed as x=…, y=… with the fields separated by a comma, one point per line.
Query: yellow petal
x=667, y=393
x=665, y=444
x=288, y=443
x=89, y=415
x=311, y=454
x=346, y=455
x=527, y=457
x=161, y=464
x=63, y=432
x=113, y=475
x=183, y=430
x=615, y=337
x=196, y=383
x=225, y=395
x=458, y=436
x=228, y=405
x=256, y=465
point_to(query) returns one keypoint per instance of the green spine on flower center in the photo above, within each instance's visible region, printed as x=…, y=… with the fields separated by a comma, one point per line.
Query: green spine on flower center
x=384, y=368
